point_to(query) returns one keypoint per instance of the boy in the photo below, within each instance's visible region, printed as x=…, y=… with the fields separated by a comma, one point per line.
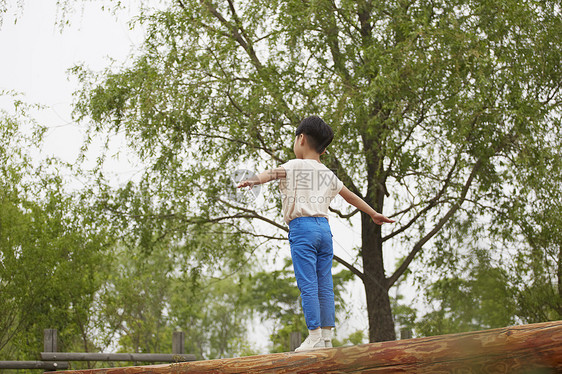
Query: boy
x=307, y=188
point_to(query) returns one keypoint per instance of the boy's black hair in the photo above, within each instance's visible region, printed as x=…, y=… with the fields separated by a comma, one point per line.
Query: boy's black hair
x=318, y=134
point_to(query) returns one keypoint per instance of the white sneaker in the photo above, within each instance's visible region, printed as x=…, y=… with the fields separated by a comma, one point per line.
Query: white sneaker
x=311, y=343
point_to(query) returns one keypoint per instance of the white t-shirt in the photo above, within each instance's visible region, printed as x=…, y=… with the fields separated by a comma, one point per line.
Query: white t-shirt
x=307, y=189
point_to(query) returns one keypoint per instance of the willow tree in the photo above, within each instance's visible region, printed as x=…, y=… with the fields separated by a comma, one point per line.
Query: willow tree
x=46, y=236
x=427, y=99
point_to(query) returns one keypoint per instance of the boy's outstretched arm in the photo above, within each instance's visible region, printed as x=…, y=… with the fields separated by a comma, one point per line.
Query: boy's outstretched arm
x=264, y=177
x=358, y=202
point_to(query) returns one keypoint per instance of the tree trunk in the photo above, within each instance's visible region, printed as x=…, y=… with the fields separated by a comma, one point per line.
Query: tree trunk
x=381, y=323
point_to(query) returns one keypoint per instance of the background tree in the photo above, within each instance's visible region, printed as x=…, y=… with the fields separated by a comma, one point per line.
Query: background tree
x=51, y=252
x=168, y=275
x=537, y=227
x=149, y=295
x=507, y=271
x=116, y=285
x=427, y=100
x=476, y=296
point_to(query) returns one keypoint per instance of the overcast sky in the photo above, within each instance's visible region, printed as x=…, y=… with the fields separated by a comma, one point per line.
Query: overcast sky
x=35, y=58
x=36, y=55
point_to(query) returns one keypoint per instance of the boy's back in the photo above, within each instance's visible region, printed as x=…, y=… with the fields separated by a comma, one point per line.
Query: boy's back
x=307, y=189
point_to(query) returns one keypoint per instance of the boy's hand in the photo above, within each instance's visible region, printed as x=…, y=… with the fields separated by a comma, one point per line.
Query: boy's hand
x=357, y=202
x=379, y=219
x=246, y=183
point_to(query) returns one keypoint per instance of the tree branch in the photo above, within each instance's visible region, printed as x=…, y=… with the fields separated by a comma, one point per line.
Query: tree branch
x=238, y=216
x=254, y=214
x=433, y=202
x=342, y=215
x=418, y=246
x=352, y=268
x=238, y=34
x=261, y=235
x=331, y=32
x=181, y=4
x=263, y=148
x=417, y=123
x=364, y=14
x=256, y=132
x=346, y=19
x=406, y=210
x=235, y=33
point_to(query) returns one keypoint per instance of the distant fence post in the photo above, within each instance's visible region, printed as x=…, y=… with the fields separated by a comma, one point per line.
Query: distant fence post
x=295, y=341
x=405, y=333
x=178, y=343
x=50, y=343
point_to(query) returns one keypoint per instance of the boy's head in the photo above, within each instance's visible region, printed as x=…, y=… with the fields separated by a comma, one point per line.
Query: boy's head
x=318, y=134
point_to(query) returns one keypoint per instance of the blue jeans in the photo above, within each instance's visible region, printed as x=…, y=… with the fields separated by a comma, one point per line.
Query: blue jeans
x=312, y=252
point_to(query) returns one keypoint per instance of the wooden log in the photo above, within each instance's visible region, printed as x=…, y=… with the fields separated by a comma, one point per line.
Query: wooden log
x=533, y=348
x=20, y=365
x=147, y=357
